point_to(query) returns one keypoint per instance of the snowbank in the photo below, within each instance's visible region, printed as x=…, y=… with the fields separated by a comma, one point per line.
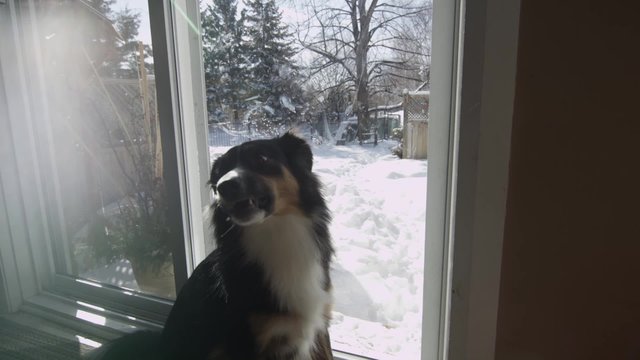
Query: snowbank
x=379, y=204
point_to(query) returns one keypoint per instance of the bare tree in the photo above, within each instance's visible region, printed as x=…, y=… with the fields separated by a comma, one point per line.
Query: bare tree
x=329, y=91
x=361, y=37
x=416, y=42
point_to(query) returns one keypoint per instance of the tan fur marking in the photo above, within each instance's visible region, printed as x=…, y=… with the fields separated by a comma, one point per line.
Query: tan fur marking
x=286, y=190
x=322, y=349
x=328, y=309
x=274, y=327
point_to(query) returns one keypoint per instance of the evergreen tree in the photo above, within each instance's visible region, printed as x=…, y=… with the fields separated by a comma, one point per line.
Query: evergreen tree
x=126, y=65
x=224, y=59
x=274, y=77
x=102, y=6
x=124, y=50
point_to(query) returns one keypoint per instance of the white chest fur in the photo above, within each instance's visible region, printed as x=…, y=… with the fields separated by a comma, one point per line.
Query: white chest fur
x=286, y=249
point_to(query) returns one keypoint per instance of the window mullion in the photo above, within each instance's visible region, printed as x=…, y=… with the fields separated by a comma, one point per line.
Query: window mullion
x=192, y=110
x=171, y=134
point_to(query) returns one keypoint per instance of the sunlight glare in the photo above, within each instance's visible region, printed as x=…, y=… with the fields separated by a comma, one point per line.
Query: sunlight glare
x=90, y=306
x=90, y=317
x=88, y=342
x=89, y=283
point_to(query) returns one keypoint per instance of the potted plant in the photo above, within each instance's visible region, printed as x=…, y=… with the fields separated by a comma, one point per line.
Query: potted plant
x=134, y=225
x=137, y=231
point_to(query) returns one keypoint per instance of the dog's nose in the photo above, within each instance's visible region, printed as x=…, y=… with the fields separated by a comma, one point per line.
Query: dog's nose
x=230, y=189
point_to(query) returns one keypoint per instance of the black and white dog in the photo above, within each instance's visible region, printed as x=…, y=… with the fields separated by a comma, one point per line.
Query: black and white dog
x=265, y=292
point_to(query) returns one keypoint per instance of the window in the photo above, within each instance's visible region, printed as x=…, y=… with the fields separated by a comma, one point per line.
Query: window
x=105, y=145
x=102, y=148
x=104, y=130
x=269, y=67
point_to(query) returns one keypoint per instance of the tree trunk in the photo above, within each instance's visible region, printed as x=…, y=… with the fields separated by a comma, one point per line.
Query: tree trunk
x=362, y=105
x=362, y=87
x=361, y=31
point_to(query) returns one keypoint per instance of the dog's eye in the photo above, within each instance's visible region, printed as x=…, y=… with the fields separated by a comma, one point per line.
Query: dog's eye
x=263, y=163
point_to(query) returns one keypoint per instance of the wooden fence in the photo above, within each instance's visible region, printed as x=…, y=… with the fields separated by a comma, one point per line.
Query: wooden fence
x=415, y=140
x=416, y=125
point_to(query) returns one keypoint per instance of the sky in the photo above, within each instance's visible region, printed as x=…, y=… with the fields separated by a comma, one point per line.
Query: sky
x=142, y=7
x=289, y=14
x=292, y=14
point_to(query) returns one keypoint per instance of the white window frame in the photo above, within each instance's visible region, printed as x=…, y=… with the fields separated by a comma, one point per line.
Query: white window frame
x=482, y=109
x=191, y=90
x=473, y=77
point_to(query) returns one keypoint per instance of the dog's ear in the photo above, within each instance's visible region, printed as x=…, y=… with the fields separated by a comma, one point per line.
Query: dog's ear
x=296, y=150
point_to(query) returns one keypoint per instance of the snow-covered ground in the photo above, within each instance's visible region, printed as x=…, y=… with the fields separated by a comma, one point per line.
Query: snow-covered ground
x=378, y=203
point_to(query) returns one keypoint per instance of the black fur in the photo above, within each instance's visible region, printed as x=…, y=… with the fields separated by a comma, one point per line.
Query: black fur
x=211, y=312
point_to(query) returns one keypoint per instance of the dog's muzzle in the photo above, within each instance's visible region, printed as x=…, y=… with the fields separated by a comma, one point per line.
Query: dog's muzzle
x=246, y=197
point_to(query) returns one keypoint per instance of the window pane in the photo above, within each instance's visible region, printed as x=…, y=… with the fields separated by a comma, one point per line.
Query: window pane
x=266, y=73
x=105, y=145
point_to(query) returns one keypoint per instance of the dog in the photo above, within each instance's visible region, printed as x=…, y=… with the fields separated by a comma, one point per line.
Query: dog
x=265, y=292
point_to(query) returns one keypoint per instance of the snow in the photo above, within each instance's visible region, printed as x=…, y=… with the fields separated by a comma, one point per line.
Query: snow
x=269, y=109
x=119, y=273
x=379, y=204
x=286, y=102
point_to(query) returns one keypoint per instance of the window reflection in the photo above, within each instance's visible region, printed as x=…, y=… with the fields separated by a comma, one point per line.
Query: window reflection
x=104, y=137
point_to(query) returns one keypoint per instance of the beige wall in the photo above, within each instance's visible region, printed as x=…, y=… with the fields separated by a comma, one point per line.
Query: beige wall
x=570, y=285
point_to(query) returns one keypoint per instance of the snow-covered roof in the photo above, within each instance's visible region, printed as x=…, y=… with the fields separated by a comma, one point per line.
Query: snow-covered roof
x=394, y=107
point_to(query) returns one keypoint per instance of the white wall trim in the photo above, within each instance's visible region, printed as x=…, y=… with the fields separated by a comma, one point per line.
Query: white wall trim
x=486, y=112
x=27, y=223
x=442, y=144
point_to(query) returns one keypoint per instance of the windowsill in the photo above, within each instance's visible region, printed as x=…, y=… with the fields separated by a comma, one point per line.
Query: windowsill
x=84, y=317
x=100, y=325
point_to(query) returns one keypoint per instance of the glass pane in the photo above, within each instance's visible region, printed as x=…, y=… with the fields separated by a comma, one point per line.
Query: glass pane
x=96, y=59
x=266, y=73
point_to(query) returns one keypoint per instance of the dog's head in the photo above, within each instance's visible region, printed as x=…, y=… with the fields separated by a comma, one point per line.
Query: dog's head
x=261, y=178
